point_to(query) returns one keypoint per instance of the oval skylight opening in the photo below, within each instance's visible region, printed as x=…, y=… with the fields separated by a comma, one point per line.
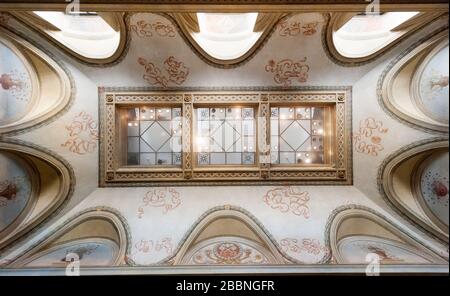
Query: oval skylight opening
x=87, y=34
x=364, y=35
x=226, y=36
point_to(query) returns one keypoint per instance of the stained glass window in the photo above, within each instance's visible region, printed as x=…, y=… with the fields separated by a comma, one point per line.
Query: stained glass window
x=297, y=135
x=225, y=136
x=154, y=136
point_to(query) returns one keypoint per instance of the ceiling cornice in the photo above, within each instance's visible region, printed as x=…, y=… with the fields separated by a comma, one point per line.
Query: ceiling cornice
x=226, y=5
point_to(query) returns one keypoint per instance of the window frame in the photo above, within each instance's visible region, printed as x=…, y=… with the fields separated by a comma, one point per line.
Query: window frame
x=337, y=170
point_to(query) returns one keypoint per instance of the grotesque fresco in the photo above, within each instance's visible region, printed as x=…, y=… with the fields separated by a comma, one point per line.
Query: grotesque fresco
x=434, y=185
x=354, y=249
x=433, y=88
x=175, y=72
x=227, y=251
x=90, y=252
x=15, y=189
x=15, y=86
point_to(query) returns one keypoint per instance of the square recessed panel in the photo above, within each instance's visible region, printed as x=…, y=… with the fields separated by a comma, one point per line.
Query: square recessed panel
x=296, y=135
x=225, y=136
x=154, y=136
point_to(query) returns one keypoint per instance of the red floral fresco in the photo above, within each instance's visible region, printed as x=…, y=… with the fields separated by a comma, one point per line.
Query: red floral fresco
x=144, y=29
x=294, y=28
x=167, y=198
x=175, y=72
x=288, y=199
x=83, y=134
x=369, y=136
x=286, y=71
x=307, y=245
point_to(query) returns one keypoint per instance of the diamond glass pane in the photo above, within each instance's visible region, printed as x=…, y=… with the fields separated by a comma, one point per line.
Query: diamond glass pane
x=225, y=136
x=154, y=136
x=297, y=135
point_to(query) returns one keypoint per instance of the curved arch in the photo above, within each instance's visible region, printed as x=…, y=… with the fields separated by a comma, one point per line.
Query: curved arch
x=338, y=34
x=51, y=25
x=50, y=191
x=99, y=236
x=396, y=181
x=189, y=27
x=373, y=233
x=204, y=231
x=51, y=85
x=399, y=85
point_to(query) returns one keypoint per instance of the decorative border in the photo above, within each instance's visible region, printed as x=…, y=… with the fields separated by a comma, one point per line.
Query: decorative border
x=111, y=174
x=386, y=196
x=91, y=213
x=330, y=241
x=386, y=76
x=337, y=58
x=58, y=62
x=226, y=64
x=117, y=57
x=41, y=153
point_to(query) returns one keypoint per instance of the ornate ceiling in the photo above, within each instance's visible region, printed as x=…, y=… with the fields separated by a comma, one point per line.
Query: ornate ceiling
x=85, y=169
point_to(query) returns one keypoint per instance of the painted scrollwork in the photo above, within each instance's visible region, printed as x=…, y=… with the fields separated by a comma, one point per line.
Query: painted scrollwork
x=166, y=198
x=175, y=72
x=288, y=199
x=83, y=134
x=286, y=71
x=368, y=139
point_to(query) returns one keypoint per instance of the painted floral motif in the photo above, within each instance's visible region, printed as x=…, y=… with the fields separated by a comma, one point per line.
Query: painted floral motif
x=167, y=198
x=176, y=72
x=288, y=199
x=83, y=133
x=286, y=71
x=307, y=245
x=147, y=246
x=228, y=253
x=145, y=29
x=369, y=136
x=295, y=28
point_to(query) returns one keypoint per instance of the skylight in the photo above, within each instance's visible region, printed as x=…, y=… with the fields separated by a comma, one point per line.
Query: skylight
x=365, y=34
x=226, y=36
x=86, y=34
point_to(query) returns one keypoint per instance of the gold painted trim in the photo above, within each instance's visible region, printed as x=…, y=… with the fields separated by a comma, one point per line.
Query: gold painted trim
x=335, y=20
x=418, y=73
x=187, y=25
x=34, y=177
x=338, y=171
x=92, y=214
x=389, y=75
x=416, y=189
x=45, y=29
x=386, y=183
x=65, y=189
x=65, y=85
x=9, y=42
x=340, y=217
